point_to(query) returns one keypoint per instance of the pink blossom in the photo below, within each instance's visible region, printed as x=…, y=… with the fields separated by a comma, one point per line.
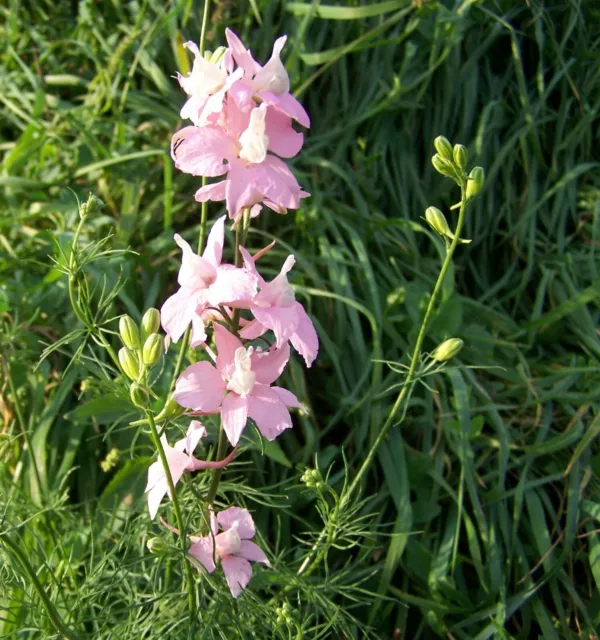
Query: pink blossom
x=239, y=387
x=180, y=460
x=204, y=282
x=232, y=546
x=275, y=308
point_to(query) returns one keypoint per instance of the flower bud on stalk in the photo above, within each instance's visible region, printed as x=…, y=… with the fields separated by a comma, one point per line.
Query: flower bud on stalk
x=129, y=363
x=150, y=323
x=92, y=205
x=139, y=396
x=437, y=221
x=447, y=350
x=460, y=156
x=475, y=182
x=152, y=350
x=442, y=166
x=129, y=333
x=444, y=148
x=157, y=546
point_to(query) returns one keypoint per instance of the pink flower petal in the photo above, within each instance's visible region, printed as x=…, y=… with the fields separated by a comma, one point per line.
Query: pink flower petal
x=283, y=140
x=195, y=271
x=214, y=243
x=281, y=320
x=242, y=517
x=237, y=573
x=202, y=551
x=200, y=387
x=250, y=265
x=196, y=431
x=288, y=398
x=198, y=335
x=233, y=287
x=241, y=55
x=203, y=151
x=253, y=330
x=305, y=339
x=287, y=104
x=241, y=189
x=234, y=413
x=269, y=365
x=177, y=312
x=227, y=344
x=214, y=192
x=251, y=551
x=157, y=486
x=268, y=411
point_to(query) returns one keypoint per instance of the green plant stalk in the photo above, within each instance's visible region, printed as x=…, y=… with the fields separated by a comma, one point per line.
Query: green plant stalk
x=203, y=27
x=308, y=566
x=178, y=516
x=53, y=614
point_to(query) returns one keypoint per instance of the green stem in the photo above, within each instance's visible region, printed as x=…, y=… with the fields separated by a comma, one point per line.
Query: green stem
x=203, y=28
x=178, y=517
x=406, y=391
x=214, y=483
x=53, y=614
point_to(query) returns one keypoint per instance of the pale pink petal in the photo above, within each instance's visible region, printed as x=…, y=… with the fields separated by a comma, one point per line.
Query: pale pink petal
x=242, y=189
x=195, y=271
x=251, y=551
x=198, y=335
x=283, y=139
x=214, y=243
x=155, y=496
x=277, y=183
x=255, y=210
x=250, y=265
x=281, y=320
x=245, y=523
x=273, y=76
x=233, y=287
x=268, y=411
x=203, y=151
x=269, y=365
x=278, y=292
x=193, y=107
x=202, y=550
x=286, y=103
x=236, y=114
x=240, y=54
x=196, y=431
x=253, y=330
x=157, y=486
x=305, y=339
x=214, y=192
x=227, y=344
x=288, y=398
x=237, y=573
x=200, y=387
x=234, y=413
x=177, y=312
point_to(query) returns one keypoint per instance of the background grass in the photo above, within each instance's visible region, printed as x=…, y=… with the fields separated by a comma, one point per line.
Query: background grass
x=486, y=500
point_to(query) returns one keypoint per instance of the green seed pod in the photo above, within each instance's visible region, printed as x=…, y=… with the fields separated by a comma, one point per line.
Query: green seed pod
x=447, y=350
x=442, y=166
x=129, y=363
x=152, y=349
x=139, y=396
x=475, y=182
x=129, y=333
x=157, y=546
x=150, y=322
x=461, y=156
x=437, y=221
x=444, y=148
x=171, y=410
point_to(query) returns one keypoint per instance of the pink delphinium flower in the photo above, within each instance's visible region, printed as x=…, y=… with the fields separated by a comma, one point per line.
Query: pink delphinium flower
x=239, y=387
x=232, y=546
x=180, y=459
x=275, y=308
x=204, y=282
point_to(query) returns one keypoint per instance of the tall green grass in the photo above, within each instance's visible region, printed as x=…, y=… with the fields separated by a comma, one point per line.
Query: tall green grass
x=483, y=507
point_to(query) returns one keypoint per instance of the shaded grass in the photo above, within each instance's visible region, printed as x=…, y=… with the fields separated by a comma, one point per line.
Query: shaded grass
x=487, y=498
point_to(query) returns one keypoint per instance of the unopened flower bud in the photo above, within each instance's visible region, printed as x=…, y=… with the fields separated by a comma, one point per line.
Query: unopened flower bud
x=89, y=207
x=129, y=333
x=475, y=182
x=157, y=546
x=437, y=221
x=129, y=363
x=139, y=396
x=150, y=322
x=111, y=460
x=460, y=156
x=447, y=350
x=442, y=166
x=216, y=55
x=171, y=410
x=444, y=148
x=312, y=479
x=152, y=350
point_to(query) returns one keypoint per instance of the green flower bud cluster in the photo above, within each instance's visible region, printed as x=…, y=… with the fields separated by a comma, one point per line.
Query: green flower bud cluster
x=452, y=163
x=142, y=346
x=284, y=615
x=91, y=206
x=313, y=479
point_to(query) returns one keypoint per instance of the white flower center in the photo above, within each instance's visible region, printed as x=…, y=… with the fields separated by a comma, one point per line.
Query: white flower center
x=254, y=141
x=206, y=78
x=243, y=378
x=229, y=542
x=272, y=77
